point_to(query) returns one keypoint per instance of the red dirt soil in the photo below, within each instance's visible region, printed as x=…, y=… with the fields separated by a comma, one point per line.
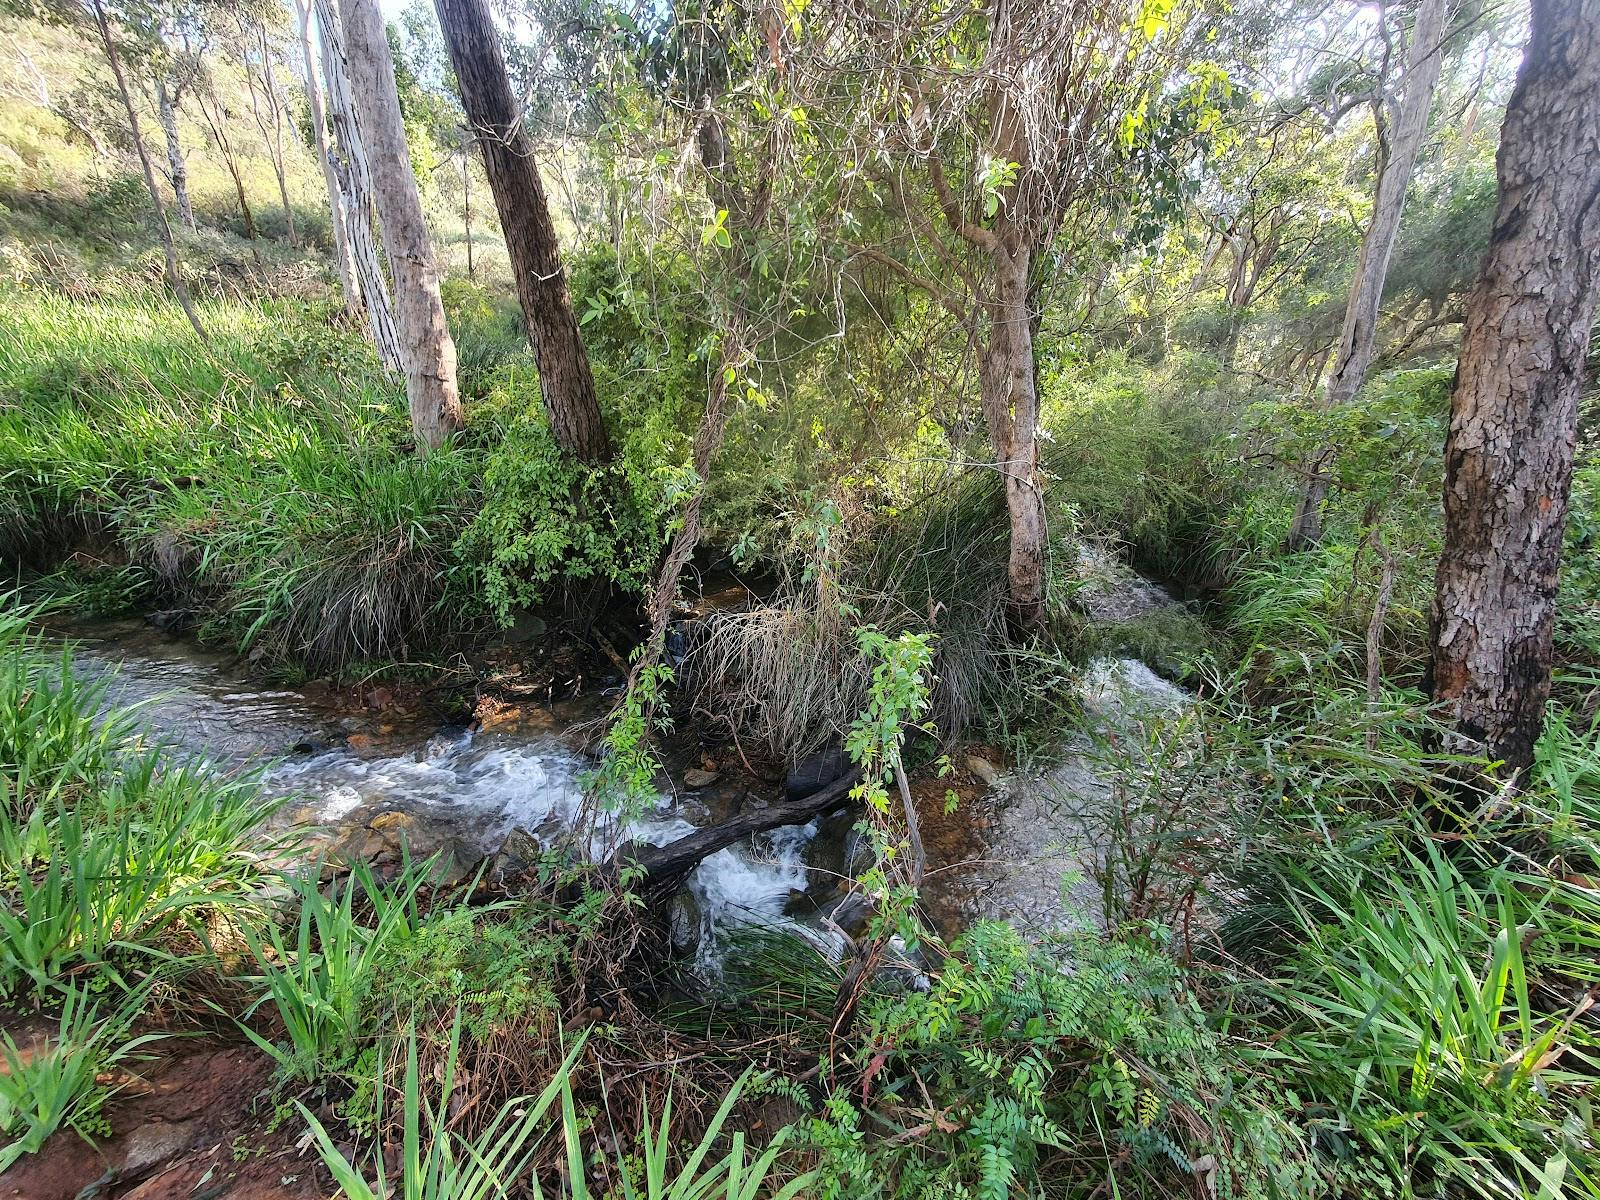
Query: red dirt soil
x=189, y=1127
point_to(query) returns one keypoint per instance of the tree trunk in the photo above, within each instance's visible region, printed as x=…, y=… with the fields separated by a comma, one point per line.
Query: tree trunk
x=168, y=246
x=707, y=441
x=217, y=123
x=1513, y=418
x=466, y=208
x=271, y=127
x=1011, y=412
x=565, y=379
x=177, y=168
x=354, y=181
x=349, y=287
x=41, y=89
x=427, y=351
x=1359, y=336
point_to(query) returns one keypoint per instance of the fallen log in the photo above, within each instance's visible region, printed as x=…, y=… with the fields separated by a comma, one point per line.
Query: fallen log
x=666, y=864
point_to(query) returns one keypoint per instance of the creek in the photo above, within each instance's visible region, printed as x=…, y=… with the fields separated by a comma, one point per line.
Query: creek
x=361, y=782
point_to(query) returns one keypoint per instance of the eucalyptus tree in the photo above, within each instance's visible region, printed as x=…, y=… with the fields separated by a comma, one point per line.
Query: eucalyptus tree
x=1401, y=100
x=690, y=61
x=427, y=351
x=177, y=164
x=132, y=23
x=987, y=130
x=566, y=380
x=352, y=173
x=1514, y=410
x=199, y=39
x=338, y=202
x=691, y=117
x=267, y=104
x=68, y=109
x=1267, y=213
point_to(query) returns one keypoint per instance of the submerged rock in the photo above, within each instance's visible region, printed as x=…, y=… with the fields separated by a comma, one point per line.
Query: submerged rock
x=525, y=627
x=685, y=923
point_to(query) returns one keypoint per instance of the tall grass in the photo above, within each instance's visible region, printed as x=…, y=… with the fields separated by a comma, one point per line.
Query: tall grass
x=106, y=849
x=436, y=1163
x=62, y=1083
x=789, y=671
x=319, y=982
x=268, y=479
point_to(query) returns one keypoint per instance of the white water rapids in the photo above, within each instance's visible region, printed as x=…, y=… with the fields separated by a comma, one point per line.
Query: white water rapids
x=469, y=791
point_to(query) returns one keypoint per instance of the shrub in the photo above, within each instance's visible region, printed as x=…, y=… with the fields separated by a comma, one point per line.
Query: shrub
x=1016, y=1074
x=789, y=671
x=547, y=520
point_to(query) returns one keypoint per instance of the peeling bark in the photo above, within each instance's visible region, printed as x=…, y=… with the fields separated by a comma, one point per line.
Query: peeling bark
x=344, y=259
x=1010, y=401
x=427, y=352
x=177, y=168
x=1513, y=422
x=354, y=175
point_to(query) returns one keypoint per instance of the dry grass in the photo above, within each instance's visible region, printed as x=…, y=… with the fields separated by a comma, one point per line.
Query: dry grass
x=788, y=673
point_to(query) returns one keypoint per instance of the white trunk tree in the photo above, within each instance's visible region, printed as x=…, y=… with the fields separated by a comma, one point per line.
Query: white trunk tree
x=1402, y=128
x=338, y=205
x=354, y=182
x=427, y=353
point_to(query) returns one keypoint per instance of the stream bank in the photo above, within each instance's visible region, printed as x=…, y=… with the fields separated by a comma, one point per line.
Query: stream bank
x=368, y=773
x=371, y=772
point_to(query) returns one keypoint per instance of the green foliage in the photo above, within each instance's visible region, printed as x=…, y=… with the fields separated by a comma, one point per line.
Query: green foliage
x=106, y=849
x=658, y=1170
x=1014, y=1075
x=790, y=672
x=547, y=519
x=494, y=965
x=52, y=746
x=319, y=982
x=625, y=779
x=1127, y=450
x=63, y=1084
x=897, y=697
x=1428, y=994
x=270, y=482
x=1311, y=609
x=436, y=1163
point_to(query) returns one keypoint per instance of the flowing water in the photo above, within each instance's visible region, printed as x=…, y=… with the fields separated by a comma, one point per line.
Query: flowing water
x=360, y=779
x=364, y=780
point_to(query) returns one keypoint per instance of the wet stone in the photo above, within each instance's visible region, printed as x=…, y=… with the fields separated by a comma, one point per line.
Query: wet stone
x=157, y=1143
x=815, y=771
x=983, y=769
